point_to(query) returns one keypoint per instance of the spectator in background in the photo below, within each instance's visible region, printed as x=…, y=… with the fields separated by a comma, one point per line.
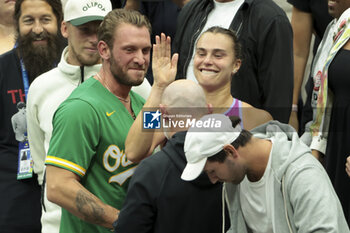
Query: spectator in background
x=316, y=70
x=39, y=40
x=79, y=61
x=309, y=17
x=7, y=25
x=331, y=129
x=265, y=79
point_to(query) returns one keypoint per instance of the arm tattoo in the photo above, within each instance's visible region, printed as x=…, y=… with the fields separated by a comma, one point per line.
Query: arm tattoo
x=88, y=207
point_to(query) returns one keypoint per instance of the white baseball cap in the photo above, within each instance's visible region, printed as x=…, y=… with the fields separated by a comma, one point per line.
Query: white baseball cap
x=201, y=143
x=78, y=12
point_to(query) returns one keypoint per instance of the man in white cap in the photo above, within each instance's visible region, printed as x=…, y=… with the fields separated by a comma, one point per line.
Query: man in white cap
x=272, y=181
x=79, y=61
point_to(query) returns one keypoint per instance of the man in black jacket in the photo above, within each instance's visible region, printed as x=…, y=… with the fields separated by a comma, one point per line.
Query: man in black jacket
x=158, y=200
x=265, y=79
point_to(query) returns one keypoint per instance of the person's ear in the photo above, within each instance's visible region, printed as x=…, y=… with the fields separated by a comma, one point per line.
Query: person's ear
x=230, y=151
x=236, y=66
x=104, y=50
x=64, y=29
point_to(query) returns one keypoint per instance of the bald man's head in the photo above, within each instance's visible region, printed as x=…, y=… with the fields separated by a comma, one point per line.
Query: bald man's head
x=182, y=100
x=184, y=94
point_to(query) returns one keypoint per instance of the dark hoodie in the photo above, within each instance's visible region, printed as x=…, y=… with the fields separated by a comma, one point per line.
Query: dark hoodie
x=159, y=201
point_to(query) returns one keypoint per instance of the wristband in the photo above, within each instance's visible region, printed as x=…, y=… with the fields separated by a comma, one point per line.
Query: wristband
x=294, y=108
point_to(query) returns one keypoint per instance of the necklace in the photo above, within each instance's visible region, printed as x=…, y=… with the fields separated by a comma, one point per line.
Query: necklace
x=122, y=99
x=105, y=85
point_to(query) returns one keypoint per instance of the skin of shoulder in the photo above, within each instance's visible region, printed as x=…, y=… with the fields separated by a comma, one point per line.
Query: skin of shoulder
x=254, y=117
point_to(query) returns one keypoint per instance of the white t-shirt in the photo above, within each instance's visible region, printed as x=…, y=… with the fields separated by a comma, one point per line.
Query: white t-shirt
x=254, y=198
x=222, y=15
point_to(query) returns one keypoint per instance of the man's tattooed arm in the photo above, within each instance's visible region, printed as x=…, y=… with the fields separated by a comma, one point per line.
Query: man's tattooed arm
x=64, y=189
x=89, y=208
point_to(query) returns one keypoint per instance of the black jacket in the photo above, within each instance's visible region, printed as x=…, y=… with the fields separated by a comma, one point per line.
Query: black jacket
x=159, y=201
x=265, y=79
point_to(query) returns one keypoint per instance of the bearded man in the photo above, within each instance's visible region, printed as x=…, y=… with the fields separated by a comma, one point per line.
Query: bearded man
x=37, y=51
x=87, y=172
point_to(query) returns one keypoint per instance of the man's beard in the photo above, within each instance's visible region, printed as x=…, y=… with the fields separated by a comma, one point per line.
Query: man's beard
x=39, y=59
x=120, y=76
